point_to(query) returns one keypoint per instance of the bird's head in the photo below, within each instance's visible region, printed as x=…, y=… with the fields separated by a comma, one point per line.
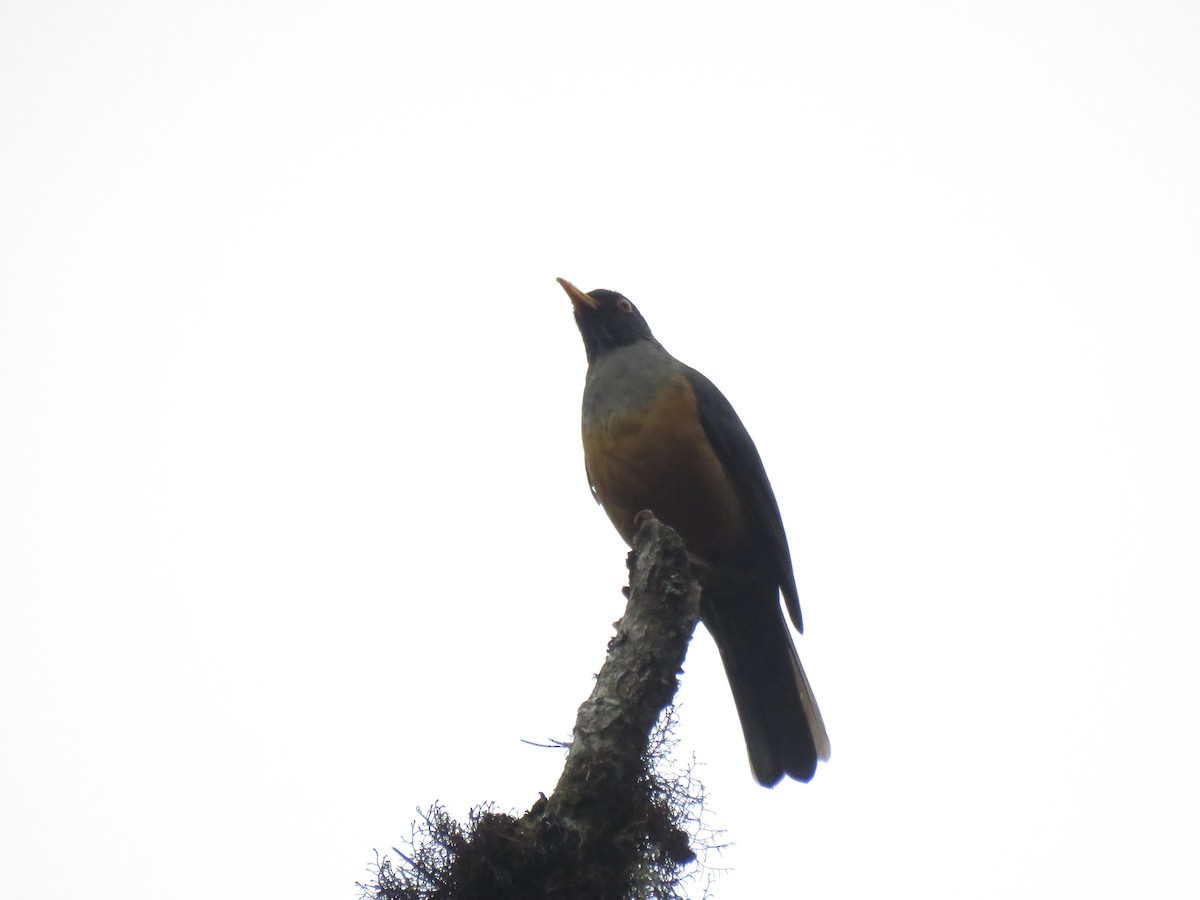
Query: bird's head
x=606, y=320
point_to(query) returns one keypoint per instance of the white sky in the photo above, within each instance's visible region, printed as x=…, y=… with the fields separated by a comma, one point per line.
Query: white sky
x=280, y=347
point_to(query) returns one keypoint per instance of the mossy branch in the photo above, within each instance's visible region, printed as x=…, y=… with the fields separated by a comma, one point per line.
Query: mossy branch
x=613, y=828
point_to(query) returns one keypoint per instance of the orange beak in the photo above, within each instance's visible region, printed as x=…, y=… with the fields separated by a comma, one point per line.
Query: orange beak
x=578, y=297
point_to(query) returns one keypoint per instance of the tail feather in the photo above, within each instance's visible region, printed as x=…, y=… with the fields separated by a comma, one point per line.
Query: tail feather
x=781, y=721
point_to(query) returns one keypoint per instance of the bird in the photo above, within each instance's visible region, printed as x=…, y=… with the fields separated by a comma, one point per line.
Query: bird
x=659, y=436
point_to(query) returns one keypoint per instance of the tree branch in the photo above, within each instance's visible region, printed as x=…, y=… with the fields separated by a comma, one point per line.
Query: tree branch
x=637, y=681
x=612, y=828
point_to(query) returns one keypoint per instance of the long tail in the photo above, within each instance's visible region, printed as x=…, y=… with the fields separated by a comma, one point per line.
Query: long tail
x=784, y=732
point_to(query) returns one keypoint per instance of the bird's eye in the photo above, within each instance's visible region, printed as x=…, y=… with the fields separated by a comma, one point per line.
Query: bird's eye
x=624, y=305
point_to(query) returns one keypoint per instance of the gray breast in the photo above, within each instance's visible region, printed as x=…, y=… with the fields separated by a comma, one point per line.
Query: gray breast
x=626, y=379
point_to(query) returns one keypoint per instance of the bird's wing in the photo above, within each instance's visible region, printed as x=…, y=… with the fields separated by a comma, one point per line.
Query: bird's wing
x=737, y=453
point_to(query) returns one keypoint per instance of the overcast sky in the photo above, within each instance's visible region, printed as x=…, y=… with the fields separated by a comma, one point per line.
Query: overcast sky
x=294, y=530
